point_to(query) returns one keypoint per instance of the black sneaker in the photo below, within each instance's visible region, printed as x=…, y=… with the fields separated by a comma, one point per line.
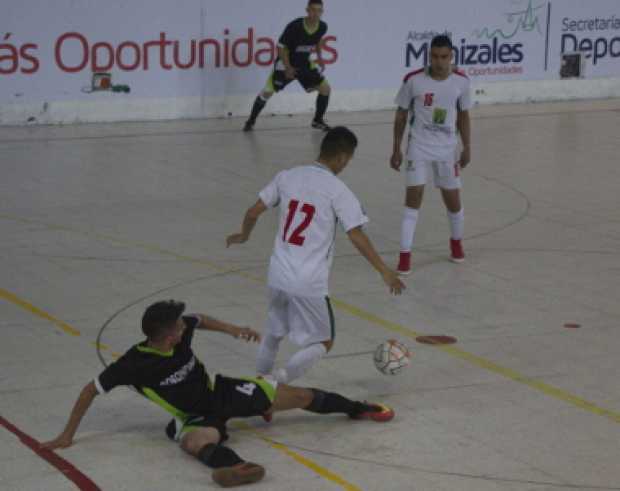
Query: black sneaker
x=320, y=125
x=249, y=125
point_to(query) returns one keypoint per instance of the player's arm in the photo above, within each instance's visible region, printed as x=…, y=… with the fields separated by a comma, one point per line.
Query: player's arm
x=83, y=402
x=362, y=243
x=319, y=54
x=400, y=123
x=249, y=221
x=283, y=54
x=287, y=39
x=211, y=324
x=463, y=125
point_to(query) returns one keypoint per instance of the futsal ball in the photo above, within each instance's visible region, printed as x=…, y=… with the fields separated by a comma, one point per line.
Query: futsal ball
x=391, y=357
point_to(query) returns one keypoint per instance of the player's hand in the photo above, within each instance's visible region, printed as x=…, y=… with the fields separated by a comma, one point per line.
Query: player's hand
x=392, y=280
x=290, y=72
x=61, y=441
x=396, y=160
x=247, y=334
x=235, y=239
x=465, y=158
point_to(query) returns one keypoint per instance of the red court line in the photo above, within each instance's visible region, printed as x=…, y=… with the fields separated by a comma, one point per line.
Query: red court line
x=66, y=468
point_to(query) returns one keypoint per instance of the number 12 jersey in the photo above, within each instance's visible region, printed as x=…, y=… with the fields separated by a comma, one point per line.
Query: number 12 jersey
x=312, y=201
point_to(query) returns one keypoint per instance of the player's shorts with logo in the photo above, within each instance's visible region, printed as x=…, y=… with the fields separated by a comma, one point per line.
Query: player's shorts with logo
x=306, y=320
x=231, y=398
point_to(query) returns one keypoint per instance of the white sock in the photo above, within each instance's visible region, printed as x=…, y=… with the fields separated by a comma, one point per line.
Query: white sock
x=457, y=224
x=267, y=352
x=407, y=229
x=304, y=360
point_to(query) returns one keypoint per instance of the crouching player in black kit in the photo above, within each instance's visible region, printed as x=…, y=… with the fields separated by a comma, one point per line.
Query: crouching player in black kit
x=164, y=369
x=299, y=39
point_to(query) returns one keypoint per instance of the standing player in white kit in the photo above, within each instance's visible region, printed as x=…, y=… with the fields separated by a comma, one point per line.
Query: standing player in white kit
x=312, y=202
x=438, y=99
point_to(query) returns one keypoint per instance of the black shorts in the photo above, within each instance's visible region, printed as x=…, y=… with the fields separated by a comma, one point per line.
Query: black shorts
x=242, y=397
x=231, y=398
x=309, y=77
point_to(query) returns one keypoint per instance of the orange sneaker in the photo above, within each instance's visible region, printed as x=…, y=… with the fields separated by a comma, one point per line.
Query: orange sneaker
x=377, y=412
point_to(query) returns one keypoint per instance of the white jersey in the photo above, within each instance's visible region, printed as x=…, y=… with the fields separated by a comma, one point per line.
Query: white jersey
x=312, y=201
x=433, y=106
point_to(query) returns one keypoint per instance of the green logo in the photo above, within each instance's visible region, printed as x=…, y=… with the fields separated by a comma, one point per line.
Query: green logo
x=439, y=115
x=526, y=20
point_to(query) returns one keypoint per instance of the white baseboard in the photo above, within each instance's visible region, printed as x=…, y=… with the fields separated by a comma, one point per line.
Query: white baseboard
x=110, y=107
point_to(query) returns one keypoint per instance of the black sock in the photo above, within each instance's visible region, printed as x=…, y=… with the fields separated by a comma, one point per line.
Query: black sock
x=215, y=456
x=329, y=402
x=259, y=104
x=321, y=107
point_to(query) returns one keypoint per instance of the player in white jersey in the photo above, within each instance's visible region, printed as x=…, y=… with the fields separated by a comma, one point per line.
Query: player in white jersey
x=438, y=100
x=312, y=201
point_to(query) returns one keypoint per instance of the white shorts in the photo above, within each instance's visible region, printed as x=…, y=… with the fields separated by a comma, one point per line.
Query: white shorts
x=446, y=174
x=306, y=320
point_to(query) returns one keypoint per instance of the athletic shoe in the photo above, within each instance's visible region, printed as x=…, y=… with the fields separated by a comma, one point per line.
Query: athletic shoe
x=456, y=249
x=267, y=417
x=249, y=125
x=236, y=475
x=377, y=412
x=404, y=264
x=320, y=125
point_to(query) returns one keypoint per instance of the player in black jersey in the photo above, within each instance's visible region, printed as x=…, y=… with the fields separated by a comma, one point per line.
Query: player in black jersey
x=164, y=369
x=299, y=39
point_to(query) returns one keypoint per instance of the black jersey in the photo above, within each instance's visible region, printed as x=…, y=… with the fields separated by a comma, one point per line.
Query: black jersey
x=300, y=42
x=177, y=380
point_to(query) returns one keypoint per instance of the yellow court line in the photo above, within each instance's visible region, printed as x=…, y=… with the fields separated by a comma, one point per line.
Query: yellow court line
x=547, y=389
x=38, y=312
x=321, y=471
x=484, y=363
x=14, y=299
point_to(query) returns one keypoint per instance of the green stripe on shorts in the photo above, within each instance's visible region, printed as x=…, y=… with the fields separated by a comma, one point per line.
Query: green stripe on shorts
x=332, y=322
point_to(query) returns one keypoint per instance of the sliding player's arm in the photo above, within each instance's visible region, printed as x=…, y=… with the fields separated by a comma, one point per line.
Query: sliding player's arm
x=208, y=323
x=83, y=402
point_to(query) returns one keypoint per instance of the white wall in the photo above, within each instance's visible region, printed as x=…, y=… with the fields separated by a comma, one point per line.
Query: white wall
x=509, y=48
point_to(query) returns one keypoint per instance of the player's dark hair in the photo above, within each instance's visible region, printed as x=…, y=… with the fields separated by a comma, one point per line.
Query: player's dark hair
x=338, y=140
x=441, y=41
x=315, y=2
x=161, y=316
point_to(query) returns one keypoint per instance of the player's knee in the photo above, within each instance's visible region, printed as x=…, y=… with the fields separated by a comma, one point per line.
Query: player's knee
x=196, y=439
x=325, y=89
x=413, y=202
x=304, y=397
x=452, y=200
x=413, y=196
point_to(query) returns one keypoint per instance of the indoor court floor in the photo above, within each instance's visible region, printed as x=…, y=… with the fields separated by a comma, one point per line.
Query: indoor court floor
x=98, y=221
